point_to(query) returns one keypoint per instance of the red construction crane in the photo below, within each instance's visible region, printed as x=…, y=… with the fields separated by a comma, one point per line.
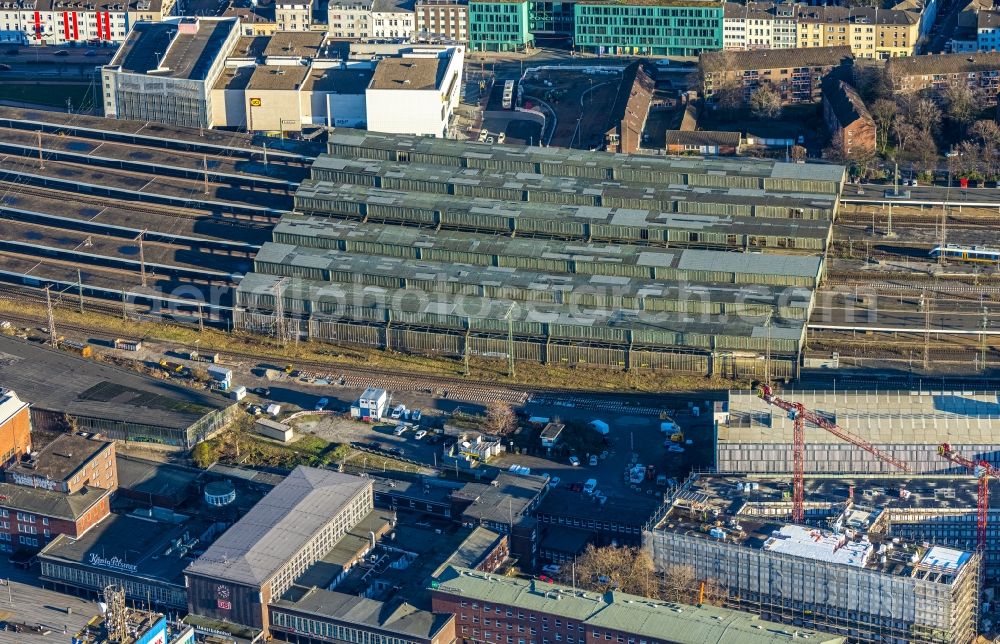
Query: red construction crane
x=984, y=472
x=798, y=413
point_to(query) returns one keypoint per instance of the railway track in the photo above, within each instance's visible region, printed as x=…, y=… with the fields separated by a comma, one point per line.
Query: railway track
x=457, y=388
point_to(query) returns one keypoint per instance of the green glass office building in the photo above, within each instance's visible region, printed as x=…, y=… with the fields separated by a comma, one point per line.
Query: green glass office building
x=499, y=26
x=648, y=27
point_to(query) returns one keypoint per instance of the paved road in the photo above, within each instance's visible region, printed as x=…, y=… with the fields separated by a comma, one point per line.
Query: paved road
x=944, y=26
x=26, y=601
x=876, y=193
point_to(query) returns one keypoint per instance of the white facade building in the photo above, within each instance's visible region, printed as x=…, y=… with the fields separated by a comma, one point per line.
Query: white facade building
x=61, y=22
x=371, y=19
x=427, y=81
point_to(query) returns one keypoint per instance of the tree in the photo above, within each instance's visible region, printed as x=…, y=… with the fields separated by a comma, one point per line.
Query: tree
x=925, y=115
x=884, y=114
x=681, y=584
x=500, y=419
x=204, y=454
x=629, y=570
x=765, y=103
x=960, y=104
x=798, y=152
x=987, y=132
x=729, y=96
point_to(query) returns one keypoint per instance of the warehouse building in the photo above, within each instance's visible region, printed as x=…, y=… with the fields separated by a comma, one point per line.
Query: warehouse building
x=487, y=607
x=910, y=425
x=840, y=573
x=643, y=285
x=102, y=399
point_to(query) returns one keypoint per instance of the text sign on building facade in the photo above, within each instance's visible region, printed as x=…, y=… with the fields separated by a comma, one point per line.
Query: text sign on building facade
x=114, y=563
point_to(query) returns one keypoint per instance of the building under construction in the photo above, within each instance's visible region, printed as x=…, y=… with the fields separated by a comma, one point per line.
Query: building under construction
x=754, y=437
x=841, y=571
x=559, y=257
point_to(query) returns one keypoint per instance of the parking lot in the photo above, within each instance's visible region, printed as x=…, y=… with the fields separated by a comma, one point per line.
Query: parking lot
x=633, y=440
x=380, y=436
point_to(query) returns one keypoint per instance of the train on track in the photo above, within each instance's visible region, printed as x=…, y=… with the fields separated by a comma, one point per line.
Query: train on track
x=966, y=253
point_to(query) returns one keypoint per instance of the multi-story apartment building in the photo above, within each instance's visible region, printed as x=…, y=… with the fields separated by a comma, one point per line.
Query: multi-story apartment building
x=934, y=74
x=61, y=22
x=634, y=27
x=446, y=20
x=371, y=19
x=977, y=30
x=293, y=15
x=499, y=25
x=796, y=75
x=869, y=32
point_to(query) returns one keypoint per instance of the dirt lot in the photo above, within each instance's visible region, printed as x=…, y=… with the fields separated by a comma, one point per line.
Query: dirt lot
x=579, y=100
x=337, y=429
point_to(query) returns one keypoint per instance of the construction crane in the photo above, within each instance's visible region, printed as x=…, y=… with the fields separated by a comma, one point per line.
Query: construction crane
x=798, y=413
x=984, y=472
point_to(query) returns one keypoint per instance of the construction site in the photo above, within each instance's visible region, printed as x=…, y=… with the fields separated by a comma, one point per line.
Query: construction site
x=845, y=570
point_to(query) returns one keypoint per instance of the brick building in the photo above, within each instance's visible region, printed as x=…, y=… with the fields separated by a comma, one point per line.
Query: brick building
x=630, y=109
x=67, y=465
x=501, y=609
x=15, y=427
x=852, y=129
x=795, y=74
x=31, y=517
x=933, y=74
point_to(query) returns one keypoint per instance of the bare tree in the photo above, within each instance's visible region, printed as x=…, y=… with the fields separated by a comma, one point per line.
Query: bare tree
x=925, y=115
x=960, y=104
x=729, y=96
x=500, y=419
x=765, y=103
x=682, y=585
x=798, y=152
x=986, y=131
x=629, y=570
x=884, y=114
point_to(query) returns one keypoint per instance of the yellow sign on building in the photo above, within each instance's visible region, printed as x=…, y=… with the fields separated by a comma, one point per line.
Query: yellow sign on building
x=255, y=102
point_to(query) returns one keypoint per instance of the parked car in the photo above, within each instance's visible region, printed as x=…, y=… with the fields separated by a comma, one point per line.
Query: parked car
x=551, y=569
x=62, y=52
x=415, y=415
x=4, y=67
x=676, y=449
x=593, y=460
x=395, y=451
x=590, y=486
x=397, y=413
x=419, y=435
x=321, y=404
x=574, y=461
x=400, y=430
x=555, y=481
x=261, y=391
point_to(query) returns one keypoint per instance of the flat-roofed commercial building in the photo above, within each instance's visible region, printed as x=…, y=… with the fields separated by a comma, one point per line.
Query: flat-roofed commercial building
x=428, y=82
x=102, y=399
x=636, y=27
x=492, y=608
x=261, y=556
x=165, y=71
